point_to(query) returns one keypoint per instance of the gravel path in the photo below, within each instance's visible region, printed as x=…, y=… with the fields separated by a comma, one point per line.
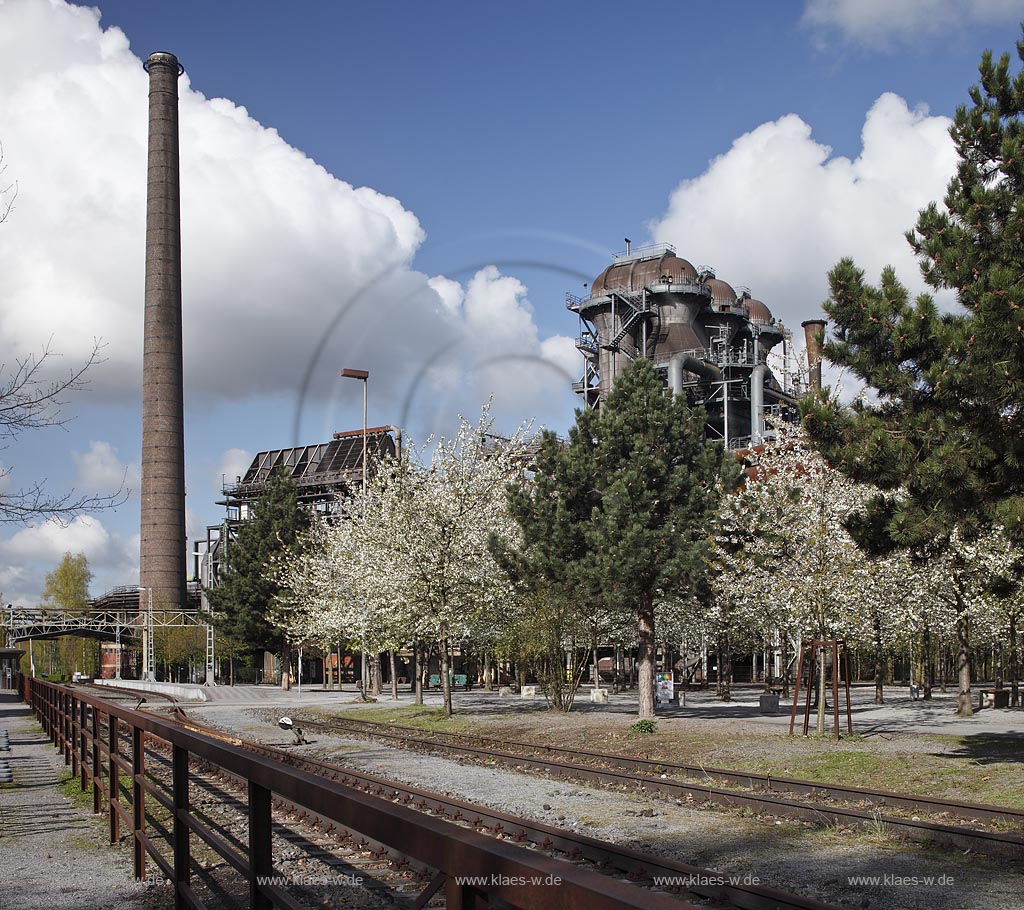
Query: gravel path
x=54, y=853
x=782, y=854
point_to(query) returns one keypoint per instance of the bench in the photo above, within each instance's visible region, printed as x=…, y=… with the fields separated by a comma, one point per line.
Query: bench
x=459, y=680
x=995, y=698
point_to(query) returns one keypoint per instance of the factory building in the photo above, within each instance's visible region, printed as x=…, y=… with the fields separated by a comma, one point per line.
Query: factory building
x=323, y=474
x=718, y=345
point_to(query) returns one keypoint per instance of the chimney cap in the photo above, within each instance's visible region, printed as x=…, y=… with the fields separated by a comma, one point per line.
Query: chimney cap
x=162, y=58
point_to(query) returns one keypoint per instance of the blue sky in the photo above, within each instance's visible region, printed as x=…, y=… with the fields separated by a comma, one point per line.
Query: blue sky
x=411, y=189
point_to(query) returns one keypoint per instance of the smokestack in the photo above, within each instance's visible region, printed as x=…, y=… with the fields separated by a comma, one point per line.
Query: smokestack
x=814, y=335
x=163, y=556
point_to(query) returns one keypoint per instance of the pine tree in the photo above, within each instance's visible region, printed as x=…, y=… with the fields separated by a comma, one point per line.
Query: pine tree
x=621, y=514
x=247, y=588
x=945, y=439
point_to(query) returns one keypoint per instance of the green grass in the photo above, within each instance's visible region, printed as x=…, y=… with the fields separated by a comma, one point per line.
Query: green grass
x=68, y=785
x=418, y=716
x=980, y=768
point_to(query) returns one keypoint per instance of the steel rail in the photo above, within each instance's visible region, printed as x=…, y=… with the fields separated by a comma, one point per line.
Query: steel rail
x=999, y=843
x=704, y=883
x=965, y=810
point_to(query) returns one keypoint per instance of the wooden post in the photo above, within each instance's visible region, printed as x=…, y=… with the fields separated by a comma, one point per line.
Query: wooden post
x=835, y=687
x=810, y=684
x=97, y=768
x=83, y=746
x=74, y=737
x=138, y=801
x=261, y=860
x=113, y=777
x=796, y=691
x=182, y=857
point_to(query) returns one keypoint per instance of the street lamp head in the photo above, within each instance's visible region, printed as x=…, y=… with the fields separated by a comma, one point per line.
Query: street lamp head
x=355, y=374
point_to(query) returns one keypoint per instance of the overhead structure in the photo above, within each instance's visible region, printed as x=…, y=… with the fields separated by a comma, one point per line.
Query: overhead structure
x=324, y=474
x=712, y=340
x=163, y=554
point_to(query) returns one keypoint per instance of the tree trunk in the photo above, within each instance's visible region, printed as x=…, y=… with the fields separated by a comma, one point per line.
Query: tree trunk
x=487, y=672
x=822, y=691
x=999, y=663
x=879, y=659
x=964, y=702
x=596, y=675
x=784, y=662
x=1014, y=663
x=446, y=683
x=645, y=655
x=724, y=667
x=418, y=650
x=394, y=675
x=929, y=667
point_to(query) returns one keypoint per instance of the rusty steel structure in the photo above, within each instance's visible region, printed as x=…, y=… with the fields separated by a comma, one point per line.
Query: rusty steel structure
x=163, y=546
x=712, y=340
x=324, y=474
x=105, y=743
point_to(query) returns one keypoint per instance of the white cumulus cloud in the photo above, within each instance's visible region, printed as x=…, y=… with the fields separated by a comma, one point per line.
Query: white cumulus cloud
x=883, y=22
x=280, y=258
x=100, y=470
x=778, y=210
x=30, y=553
x=233, y=463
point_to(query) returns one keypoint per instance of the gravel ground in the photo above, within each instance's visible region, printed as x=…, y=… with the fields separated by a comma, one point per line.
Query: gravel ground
x=55, y=854
x=782, y=854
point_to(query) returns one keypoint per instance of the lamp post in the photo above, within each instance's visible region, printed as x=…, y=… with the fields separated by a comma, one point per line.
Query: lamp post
x=364, y=376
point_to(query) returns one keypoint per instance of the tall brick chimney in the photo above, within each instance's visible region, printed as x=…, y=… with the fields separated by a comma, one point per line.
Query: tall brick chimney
x=162, y=563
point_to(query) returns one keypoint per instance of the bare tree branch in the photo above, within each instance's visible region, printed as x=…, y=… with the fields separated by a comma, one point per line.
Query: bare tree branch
x=30, y=400
x=9, y=193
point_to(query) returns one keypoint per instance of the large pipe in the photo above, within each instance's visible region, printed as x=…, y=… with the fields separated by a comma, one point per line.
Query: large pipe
x=757, y=403
x=690, y=364
x=814, y=335
x=163, y=552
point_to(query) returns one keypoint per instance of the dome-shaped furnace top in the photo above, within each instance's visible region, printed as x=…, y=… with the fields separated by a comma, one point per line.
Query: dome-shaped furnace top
x=640, y=273
x=721, y=292
x=758, y=311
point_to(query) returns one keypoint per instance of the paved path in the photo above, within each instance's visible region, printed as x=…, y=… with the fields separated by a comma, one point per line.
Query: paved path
x=54, y=854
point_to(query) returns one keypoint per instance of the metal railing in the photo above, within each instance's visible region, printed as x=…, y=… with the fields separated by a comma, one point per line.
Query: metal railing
x=643, y=252
x=90, y=732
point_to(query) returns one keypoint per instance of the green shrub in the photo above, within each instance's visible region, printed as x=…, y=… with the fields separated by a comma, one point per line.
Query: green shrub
x=645, y=727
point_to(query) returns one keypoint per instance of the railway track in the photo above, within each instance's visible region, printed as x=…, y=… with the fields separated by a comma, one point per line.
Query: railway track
x=693, y=884
x=374, y=874
x=983, y=827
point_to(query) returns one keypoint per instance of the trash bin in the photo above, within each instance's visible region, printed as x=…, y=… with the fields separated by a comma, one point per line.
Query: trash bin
x=769, y=704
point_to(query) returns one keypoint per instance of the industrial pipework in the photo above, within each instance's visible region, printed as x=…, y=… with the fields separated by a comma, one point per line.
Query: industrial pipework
x=712, y=341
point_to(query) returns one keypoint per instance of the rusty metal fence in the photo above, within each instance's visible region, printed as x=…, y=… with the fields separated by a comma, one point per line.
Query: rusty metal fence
x=104, y=743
